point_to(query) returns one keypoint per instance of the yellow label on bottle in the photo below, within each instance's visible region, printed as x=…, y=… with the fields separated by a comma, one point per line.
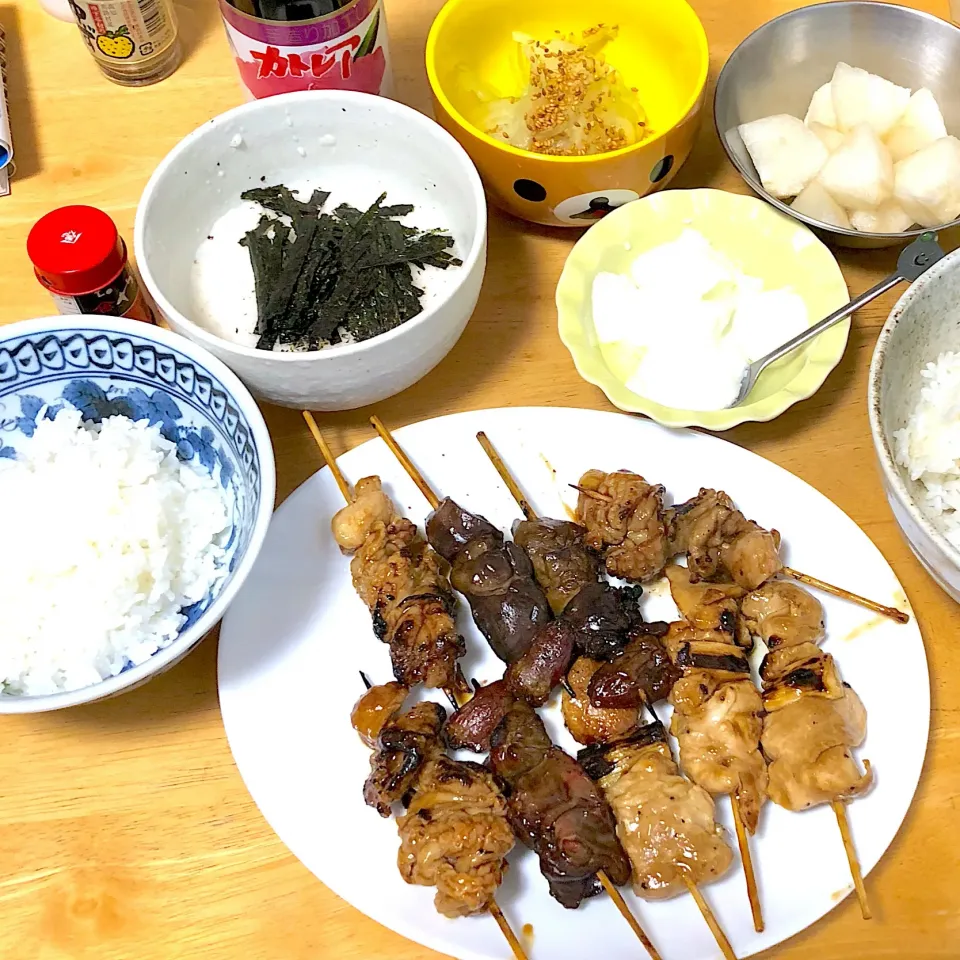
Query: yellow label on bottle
x=125, y=31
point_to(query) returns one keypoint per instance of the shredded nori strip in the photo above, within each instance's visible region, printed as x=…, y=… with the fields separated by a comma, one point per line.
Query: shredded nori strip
x=346, y=271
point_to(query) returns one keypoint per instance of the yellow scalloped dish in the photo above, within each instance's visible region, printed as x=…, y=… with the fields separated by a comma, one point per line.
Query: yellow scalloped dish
x=756, y=240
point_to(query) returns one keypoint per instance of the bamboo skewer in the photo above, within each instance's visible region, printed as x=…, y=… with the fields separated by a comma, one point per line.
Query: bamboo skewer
x=840, y=809
x=746, y=858
x=434, y=502
x=507, y=477
x=898, y=616
x=341, y=480
x=722, y=942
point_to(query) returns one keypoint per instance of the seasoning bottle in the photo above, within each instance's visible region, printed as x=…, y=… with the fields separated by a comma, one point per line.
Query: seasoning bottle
x=285, y=45
x=80, y=258
x=133, y=41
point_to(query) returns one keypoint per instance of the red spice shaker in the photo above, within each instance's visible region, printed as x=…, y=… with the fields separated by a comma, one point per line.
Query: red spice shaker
x=80, y=258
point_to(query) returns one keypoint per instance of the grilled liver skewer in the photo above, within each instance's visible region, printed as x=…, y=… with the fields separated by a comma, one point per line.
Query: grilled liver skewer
x=593, y=492
x=813, y=719
x=641, y=547
x=384, y=705
x=435, y=503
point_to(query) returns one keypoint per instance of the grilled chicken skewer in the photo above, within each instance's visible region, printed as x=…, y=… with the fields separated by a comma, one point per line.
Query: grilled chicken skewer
x=602, y=875
x=608, y=728
x=813, y=719
x=714, y=534
x=454, y=835
x=375, y=709
x=718, y=711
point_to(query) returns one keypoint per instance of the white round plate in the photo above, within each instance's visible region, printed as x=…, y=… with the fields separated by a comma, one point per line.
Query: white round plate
x=293, y=641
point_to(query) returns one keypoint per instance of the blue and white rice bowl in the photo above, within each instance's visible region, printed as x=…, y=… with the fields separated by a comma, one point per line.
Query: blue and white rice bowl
x=105, y=366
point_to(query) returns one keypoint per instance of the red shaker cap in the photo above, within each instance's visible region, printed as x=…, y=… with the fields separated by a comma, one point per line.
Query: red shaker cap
x=76, y=250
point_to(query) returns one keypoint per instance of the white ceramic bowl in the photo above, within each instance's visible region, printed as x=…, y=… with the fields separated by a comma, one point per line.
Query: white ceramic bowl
x=924, y=323
x=353, y=144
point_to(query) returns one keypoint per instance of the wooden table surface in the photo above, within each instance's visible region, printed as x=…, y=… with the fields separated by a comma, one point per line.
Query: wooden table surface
x=125, y=830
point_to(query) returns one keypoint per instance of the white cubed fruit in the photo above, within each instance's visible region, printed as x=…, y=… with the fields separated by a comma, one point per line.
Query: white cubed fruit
x=821, y=108
x=920, y=126
x=889, y=217
x=861, y=97
x=928, y=183
x=816, y=203
x=829, y=137
x=786, y=153
x=859, y=174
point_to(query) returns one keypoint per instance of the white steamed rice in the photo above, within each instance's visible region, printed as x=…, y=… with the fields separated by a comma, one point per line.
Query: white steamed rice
x=106, y=535
x=928, y=447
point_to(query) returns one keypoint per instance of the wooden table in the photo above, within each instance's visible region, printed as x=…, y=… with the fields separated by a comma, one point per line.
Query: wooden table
x=125, y=830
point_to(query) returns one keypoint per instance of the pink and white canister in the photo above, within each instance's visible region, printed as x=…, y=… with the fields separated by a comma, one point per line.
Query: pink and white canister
x=285, y=45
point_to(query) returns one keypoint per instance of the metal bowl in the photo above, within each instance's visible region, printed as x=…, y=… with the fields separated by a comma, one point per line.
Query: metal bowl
x=779, y=66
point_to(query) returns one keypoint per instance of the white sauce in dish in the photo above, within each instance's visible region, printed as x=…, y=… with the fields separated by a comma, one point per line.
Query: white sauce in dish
x=687, y=321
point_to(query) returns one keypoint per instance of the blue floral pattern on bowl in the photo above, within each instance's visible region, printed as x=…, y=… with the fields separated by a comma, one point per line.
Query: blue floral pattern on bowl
x=105, y=373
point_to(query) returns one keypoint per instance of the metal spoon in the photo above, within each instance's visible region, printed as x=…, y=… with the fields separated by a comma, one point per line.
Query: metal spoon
x=914, y=260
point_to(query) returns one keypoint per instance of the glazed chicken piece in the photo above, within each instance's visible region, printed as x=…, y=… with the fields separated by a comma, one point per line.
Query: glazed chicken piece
x=587, y=723
x=708, y=606
x=693, y=649
x=376, y=708
x=781, y=612
x=404, y=586
x=643, y=673
x=370, y=505
x=808, y=743
x=562, y=563
x=455, y=836
x=602, y=617
x=720, y=542
x=555, y=809
x=495, y=576
x=405, y=744
x=628, y=526
x=664, y=821
x=718, y=726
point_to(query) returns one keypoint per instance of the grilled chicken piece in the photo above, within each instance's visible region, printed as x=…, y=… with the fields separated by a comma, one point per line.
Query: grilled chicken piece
x=782, y=613
x=643, y=673
x=531, y=678
x=665, y=822
x=455, y=836
x=404, y=746
x=589, y=724
x=370, y=505
x=720, y=543
x=628, y=527
x=496, y=577
x=712, y=650
x=791, y=673
x=708, y=606
x=376, y=708
x=562, y=563
x=808, y=743
x=602, y=617
x=555, y=809
x=543, y=666
x=718, y=725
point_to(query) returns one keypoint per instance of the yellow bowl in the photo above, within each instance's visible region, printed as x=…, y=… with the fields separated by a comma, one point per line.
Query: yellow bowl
x=760, y=241
x=660, y=49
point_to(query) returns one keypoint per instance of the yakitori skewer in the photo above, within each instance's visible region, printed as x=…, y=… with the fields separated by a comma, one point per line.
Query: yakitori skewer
x=344, y=487
x=840, y=809
x=492, y=907
x=511, y=484
x=434, y=502
x=899, y=616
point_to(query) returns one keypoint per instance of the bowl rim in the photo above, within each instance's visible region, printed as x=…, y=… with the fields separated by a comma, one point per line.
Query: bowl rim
x=888, y=465
x=430, y=57
x=754, y=183
x=200, y=334
x=189, y=638
x=715, y=421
